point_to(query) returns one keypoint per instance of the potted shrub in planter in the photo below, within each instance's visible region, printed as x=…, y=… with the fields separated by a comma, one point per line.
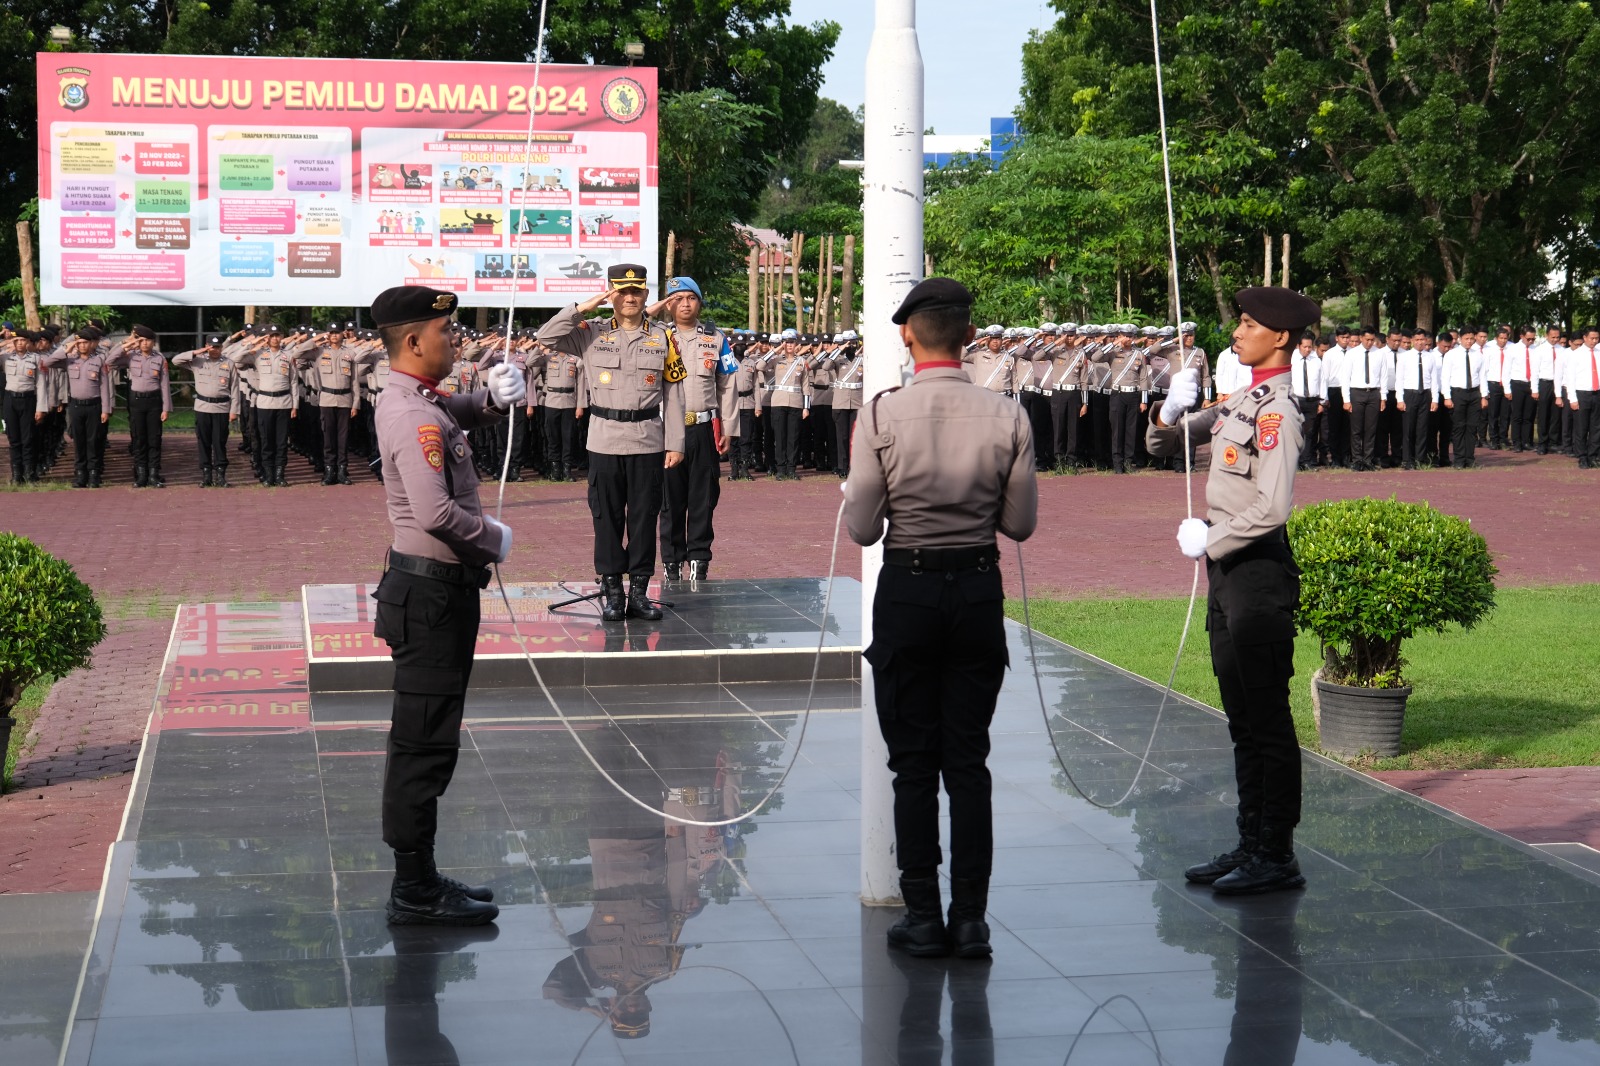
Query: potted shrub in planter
x=1372, y=573
x=49, y=622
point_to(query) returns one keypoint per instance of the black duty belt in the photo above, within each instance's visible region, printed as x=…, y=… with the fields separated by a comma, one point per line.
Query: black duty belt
x=942, y=558
x=144, y=396
x=31, y=392
x=203, y=398
x=562, y=392
x=333, y=392
x=264, y=392
x=85, y=403
x=744, y=395
x=454, y=573
x=611, y=413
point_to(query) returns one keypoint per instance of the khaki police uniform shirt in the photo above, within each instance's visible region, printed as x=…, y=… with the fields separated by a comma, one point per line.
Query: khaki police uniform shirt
x=428, y=475
x=1129, y=370
x=821, y=379
x=788, y=380
x=88, y=377
x=1256, y=440
x=558, y=372
x=946, y=462
x=748, y=378
x=995, y=371
x=215, y=381
x=22, y=375
x=707, y=388
x=623, y=370
x=1192, y=358
x=849, y=366
x=147, y=372
x=463, y=377
x=277, y=375
x=334, y=368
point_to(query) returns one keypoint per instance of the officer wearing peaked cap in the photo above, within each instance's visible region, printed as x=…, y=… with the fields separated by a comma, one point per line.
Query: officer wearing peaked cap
x=949, y=465
x=216, y=403
x=427, y=607
x=1254, y=584
x=631, y=384
x=90, y=401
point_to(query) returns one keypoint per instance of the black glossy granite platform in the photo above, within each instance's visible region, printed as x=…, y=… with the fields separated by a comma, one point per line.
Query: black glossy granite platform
x=242, y=918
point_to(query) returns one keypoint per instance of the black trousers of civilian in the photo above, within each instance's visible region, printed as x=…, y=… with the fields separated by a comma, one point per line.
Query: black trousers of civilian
x=1414, y=425
x=1389, y=434
x=1548, y=426
x=844, y=425
x=272, y=437
x=88, y=437
x=1037, y=405
x=625, y=499
x=1123, y=412
x=144, y=427
x=1311, y=425
x=1464, y=425
x=431, y=627
x=211, y=434
x=689, y=498
x=1566, y=429
x=335, y=436
x=785, y=437
x=1250, y=617
x=18, y=411
x=561, y=437
x=1586, y=428
x=938, y=656
x=1338, y=427
x=1364, y=427
x=1521, y=416
x=1499, y=426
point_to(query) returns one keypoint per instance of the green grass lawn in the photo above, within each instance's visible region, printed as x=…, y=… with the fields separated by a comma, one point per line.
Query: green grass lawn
x=1522, y=689
x=24, y=712
x=181, y=420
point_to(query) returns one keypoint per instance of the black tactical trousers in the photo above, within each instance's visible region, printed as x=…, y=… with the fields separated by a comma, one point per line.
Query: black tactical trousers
x=817, y=434
x=561, y=436
x=625, y=498
x=88, y=437
x=1124, y=413
x=18, y=411
x=689, y=497
x=938, y=656
x=144, y=426
x=335, y=435
x=211, y=435
x=844, y=426
x=786, y=437
x=272, y=437
x=1250, y=617
x=1037, y=404
x=431, y=627
x=744, y=445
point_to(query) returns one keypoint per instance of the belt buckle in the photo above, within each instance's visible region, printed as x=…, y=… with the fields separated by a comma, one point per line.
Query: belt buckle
x=691, y=418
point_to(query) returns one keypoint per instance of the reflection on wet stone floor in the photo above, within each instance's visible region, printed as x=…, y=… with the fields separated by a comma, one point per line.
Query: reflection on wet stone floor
x=243, y=919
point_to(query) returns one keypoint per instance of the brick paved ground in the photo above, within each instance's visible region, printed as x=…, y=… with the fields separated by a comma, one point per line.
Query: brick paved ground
x=146, y=550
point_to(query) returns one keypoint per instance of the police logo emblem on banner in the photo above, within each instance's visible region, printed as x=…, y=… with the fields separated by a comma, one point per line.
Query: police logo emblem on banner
x=623, y=100
x=74, y=91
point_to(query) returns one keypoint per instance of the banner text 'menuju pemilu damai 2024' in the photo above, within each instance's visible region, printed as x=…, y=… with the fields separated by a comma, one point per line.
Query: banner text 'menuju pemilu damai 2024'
x=198, y=180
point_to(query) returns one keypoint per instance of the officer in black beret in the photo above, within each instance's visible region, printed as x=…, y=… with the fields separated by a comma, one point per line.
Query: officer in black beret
x=1256, y=441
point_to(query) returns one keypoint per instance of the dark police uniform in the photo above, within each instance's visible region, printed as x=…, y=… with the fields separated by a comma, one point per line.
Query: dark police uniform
x=630, y=384
x=427, y=610
x=947, y=463
x=1256, y=442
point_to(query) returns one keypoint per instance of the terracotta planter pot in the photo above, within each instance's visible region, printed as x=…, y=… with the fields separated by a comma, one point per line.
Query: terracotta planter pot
x=1354, y=720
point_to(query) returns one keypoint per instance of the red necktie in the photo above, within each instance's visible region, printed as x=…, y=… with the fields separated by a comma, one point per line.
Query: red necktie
x=1594, y=370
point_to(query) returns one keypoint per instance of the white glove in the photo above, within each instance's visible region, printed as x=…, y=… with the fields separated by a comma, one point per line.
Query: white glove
x=505, y=537
x=506, y=386
x=1192, y=536
x=1182, y=393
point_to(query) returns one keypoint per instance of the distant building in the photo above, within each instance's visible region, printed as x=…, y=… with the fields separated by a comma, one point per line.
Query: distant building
x=940, y=150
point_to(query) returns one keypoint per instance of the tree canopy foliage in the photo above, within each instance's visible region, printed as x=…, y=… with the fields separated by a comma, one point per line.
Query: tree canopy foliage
x=1436, y=157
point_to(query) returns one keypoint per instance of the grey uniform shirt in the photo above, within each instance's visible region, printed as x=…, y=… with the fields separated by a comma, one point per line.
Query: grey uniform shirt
x=996, y=371
x=88, y=377
x=1129, y=370
x=747, y=379
x=335, y=369
x=428, y=475
x=623, y=370
x=147, y=372
x=788, y=380
x=1256, y=440
x=946, y=462
x=277, y=376
x=707, y=386
x=559, y=372
x=22, y=375
x=215, y=381
x=848, y=365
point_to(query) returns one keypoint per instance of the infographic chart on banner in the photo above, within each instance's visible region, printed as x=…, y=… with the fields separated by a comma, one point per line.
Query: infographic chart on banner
x=196, y=180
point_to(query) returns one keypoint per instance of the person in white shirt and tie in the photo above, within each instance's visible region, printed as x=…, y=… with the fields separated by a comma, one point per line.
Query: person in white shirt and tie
x=1417, y=393
x=1547, y=421
x=1338, y=415
x=1561, y=432
x=1466, y=394
x=1494, y=356
x=1582, y=392
x=1307, y=389
x=1516, y=374
x=1366, y=396
x=1229, y=376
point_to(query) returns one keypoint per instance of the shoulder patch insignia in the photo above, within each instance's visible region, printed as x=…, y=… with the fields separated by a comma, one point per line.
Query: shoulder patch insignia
x=1267, y=430
x=432, y=441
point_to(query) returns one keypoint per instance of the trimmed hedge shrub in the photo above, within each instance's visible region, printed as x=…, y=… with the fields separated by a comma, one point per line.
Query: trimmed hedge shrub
x=1374, y=572
x=49, y=620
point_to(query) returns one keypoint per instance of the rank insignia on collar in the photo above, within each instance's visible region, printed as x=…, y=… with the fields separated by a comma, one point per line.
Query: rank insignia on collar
x=1261, y=392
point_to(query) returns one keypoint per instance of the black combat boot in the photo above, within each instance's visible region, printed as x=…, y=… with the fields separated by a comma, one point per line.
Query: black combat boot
x=673, y=571
x=17, y=474
x=969, y=932
x=921, y=932
x=95, y=478
x=419, y=896
x=639, y=604
x=330, y=475
x=141, y=477
x=1271, y=867
x=615, y=603
x=699, y=569
x=222, y=476
x=207, y=478
x=344, y=472
x=1206, y=873
x=280, y=474
x=80, y=475
x=156, y=480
